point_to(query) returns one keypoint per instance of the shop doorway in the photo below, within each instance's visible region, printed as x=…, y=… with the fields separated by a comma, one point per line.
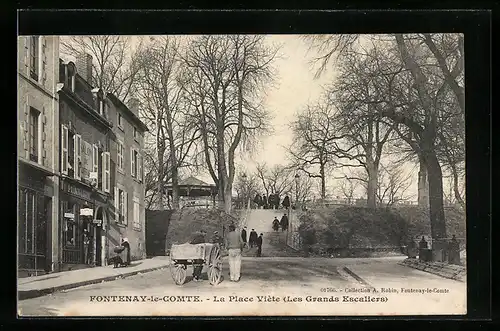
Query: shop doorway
x=98, y=224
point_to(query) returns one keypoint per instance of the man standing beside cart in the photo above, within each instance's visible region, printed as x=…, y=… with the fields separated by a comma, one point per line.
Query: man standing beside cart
x=234, y=244
x=198, y=238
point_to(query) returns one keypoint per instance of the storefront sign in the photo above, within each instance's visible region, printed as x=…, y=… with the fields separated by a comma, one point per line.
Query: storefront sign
x=86, y=212
x=98, y=222
x=77, y=191
x=69, y=215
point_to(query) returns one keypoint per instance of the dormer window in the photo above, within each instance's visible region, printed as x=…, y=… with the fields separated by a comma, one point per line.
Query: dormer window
x=71, y=74
x=99, y=101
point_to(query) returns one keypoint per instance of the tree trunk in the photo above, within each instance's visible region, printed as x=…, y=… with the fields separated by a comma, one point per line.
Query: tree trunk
x=456, y=190
x=228, y=199
x=175, y=187
x=423, y=185
x=323, y=180
x=436, y=208
x=160, y=179
x=371, y=191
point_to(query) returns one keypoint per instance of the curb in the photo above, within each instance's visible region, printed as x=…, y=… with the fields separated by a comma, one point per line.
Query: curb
x=355, y=276
x=30, y=294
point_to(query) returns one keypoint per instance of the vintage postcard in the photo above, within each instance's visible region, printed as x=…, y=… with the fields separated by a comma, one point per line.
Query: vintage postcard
x=241, y=175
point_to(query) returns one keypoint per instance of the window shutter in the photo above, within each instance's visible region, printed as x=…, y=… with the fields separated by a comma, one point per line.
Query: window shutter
x=44, y=136
x=26, y=55
x=64, y=148
x=125, y=207
x=25, y=126
x=43, y=66
x=117, y=205
x=103, y=174
x=106, y=169
x=132, y=163
x=95, y=158
x=139, y=166
x=78, y=155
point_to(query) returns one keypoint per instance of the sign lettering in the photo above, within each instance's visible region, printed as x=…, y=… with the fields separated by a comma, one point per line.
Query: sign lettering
x=79, y=192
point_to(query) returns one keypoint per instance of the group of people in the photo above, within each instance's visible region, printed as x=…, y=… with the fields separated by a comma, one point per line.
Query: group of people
x=234, y=242
x=271, y=202
x=254, y=240
x=283, y=223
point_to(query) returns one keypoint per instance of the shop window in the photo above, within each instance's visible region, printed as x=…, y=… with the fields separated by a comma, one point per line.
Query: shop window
x=70, y=226
x=34, y=115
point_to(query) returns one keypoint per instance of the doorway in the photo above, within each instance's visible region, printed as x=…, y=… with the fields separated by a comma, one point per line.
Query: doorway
x=98, y=245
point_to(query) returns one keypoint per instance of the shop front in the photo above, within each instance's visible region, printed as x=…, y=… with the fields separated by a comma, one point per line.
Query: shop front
x=83, y=215
x=34, y=220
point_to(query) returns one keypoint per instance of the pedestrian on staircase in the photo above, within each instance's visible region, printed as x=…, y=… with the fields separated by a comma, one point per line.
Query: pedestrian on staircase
x=259, y=245
x=284, y=223
x=252, y=239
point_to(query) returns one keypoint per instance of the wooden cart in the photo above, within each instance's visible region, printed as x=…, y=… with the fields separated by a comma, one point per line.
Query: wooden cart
x=196, y=254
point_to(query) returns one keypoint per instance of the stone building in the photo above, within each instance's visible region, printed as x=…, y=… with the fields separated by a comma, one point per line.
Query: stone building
x=38, y=154
x=86, y=200
x=128, y=176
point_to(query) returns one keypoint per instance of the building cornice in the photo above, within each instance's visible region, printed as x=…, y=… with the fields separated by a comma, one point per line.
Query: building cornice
x=37, y=85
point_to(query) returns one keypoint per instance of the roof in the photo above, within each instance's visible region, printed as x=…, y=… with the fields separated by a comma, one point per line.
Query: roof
x=193, y=181
x=127, y=111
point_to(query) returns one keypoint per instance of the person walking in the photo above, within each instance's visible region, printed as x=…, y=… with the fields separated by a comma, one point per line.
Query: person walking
x=198, y=238
x=286, y=202
x=252, y=239
x=234, y=244
x=284, y=222
x=276, y=224
x=259, y=245
x=244, y=235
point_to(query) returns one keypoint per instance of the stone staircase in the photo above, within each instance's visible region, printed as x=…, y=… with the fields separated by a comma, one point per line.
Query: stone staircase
x=274, y=243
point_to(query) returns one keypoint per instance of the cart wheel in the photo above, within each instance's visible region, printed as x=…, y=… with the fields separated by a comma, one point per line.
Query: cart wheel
x=215, y=269
x=179, y=274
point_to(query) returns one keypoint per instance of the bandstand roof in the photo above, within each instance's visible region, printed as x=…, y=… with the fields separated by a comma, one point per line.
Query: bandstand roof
x=193, y=187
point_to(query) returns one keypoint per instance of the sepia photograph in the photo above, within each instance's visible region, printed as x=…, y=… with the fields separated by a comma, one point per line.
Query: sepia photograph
x=241, y=175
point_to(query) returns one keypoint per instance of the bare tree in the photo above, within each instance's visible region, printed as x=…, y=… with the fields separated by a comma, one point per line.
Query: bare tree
x=114, y=63
x=246, y=186
x=393, y=186
x=313, y=134
x=277, y=179
x=347, y=188
x=159, y=87
x=226, y=81
x=410, y=99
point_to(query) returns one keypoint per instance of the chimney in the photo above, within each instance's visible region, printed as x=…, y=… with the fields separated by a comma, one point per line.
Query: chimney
x=84, y=66
x=133, y=105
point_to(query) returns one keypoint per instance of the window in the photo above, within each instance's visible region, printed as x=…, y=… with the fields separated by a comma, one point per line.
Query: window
x=95, y=163
x=137, y=214
x=136, y=134
x=106, y=178
x=133, y=162
x=121, y=152
x=34, y=56
x=120, y=206
x=77, y=150
x=120, y=121
x=64, y=149
x=33, y=134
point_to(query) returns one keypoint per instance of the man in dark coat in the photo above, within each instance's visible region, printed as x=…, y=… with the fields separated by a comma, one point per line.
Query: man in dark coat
x=286, y=202
x=252, y=238
x=264, y=201
x=259, y=245
x=284, y=222
x=198, y=238
x=244, y=235
x=276, y=224
x=277, y=200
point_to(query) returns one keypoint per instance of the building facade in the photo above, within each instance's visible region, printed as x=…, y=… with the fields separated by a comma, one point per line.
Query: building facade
x=38, y=153
x=85, y=198
x=127, y=176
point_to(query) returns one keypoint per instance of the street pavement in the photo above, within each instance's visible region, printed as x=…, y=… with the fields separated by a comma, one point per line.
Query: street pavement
x=303, y=286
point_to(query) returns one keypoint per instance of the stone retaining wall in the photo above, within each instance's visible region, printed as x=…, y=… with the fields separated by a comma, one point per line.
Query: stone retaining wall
x=451, y=271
